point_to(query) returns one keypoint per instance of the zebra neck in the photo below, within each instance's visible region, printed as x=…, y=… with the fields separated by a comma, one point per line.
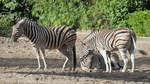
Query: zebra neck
x=30, y=31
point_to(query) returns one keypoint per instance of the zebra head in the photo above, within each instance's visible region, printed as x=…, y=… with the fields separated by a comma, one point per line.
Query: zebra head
x=17, y=30
x=83, y=51
x=85, y=59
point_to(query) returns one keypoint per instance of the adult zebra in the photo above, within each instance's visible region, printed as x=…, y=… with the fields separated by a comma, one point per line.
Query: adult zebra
x=121, y=40
x=62, y=38
x=91, y=58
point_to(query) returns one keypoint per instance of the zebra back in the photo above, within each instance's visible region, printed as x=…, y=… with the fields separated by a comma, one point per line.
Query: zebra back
x=49, y=38
x=108, y=39
x=111, y=40
x=62, y=38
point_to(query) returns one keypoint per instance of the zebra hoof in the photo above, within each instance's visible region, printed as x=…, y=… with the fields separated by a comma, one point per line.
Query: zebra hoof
x=63, y=69
x=45, y=70
x=110, y=71
x=38, y=69
x=131, y=71
x=107, y=71
x=123, y=71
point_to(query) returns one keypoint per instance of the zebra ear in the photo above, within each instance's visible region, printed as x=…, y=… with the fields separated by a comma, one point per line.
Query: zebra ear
x=17, y=19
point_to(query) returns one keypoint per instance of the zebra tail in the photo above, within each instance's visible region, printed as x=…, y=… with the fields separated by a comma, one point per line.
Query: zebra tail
x=74, y=58
x=139, y=50
x=133, y=41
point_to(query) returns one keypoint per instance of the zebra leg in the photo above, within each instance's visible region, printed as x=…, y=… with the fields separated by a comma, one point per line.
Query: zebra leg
x=68, y=53
x=125, y=59
x=109, y=63
x=104, y=54
x=131, y=52
x=37, y=50
x=43, y=58
x=109, y=60
x=64, y=65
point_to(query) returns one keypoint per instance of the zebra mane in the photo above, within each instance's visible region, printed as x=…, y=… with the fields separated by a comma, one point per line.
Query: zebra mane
x=90, y=36
x=17, y=19
x=21, y=19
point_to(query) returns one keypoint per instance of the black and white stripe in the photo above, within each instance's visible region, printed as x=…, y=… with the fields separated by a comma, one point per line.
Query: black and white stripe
x=122, y=40
x=95, y=61
x=89, y=57
x=62, y=38
x=87, y=44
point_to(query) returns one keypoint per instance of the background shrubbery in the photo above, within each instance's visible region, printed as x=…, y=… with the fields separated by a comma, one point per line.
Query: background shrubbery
x=81, y=14
x=140, y=22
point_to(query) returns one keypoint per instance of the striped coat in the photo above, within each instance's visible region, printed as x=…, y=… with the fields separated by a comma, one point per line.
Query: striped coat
x=88, y=57
x=121, y=40
x=62, y=38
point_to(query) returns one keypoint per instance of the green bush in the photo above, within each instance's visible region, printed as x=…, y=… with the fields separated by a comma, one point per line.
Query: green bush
x=5, y=25
x=11, y=8
x=54, y=13
x=115, y=11
x=92, y=16
x=140, y=22
x=81, y=14
x=74, y=13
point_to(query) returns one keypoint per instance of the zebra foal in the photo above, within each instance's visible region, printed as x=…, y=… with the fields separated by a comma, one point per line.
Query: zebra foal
x=62, y=38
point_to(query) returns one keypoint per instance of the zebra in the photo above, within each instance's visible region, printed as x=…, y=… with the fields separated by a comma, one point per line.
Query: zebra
x=95, y=61
x=61, y=38
x=121, y=40
x=89, y=59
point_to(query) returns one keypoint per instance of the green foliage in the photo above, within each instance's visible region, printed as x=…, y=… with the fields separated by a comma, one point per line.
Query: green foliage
x=5, y=28
x=74, y=13
x=91, y=17
x=54, y=13
x=81, y=14
x=9, y=9
x=140, y=22
x=116, y=10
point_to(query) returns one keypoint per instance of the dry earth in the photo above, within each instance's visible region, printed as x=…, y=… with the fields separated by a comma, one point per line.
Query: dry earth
x=18, y=63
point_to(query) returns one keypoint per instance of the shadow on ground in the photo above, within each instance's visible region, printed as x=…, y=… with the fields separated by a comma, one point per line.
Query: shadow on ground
x=31, y=63
x=143, y=76
x=137, y=76
x=53, y=63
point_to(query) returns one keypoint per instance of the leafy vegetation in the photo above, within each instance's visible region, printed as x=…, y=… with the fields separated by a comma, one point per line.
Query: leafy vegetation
x=11, y=8
x=80, y=14
x=140, y=22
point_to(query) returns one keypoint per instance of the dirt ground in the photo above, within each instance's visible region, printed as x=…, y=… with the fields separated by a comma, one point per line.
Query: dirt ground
x=18, y=64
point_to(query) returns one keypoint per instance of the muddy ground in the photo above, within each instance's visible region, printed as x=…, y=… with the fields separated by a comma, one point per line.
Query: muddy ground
x=18, y=64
